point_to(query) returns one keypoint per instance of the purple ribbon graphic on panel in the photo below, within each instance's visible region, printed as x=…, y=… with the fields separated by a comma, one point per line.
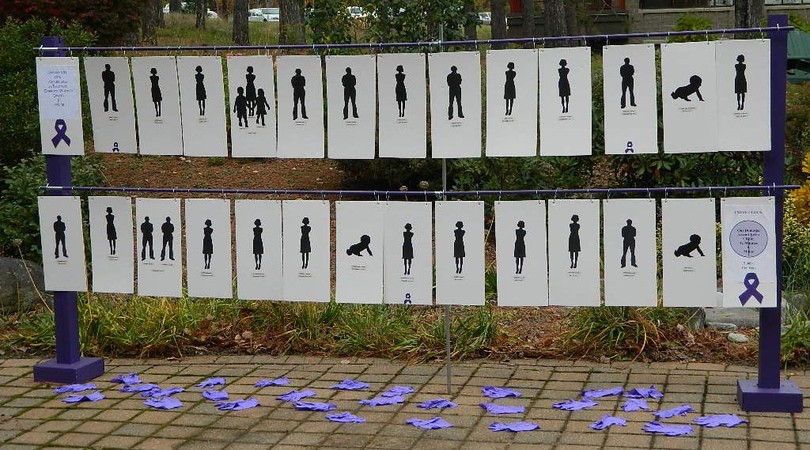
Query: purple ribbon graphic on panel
x=60, y=126
x=751, y=282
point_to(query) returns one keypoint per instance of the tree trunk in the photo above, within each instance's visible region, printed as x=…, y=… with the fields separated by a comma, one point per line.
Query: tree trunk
x=158, y=8
x=202, y=12
x=748, y=14
x=574, y=13
x=471, y=25
x=291, y=22
x=225, y=10
x=528, y=18
x=149, y=22
x=498, y=21
x=241, y=33
x=556, y=24
x=175, y=5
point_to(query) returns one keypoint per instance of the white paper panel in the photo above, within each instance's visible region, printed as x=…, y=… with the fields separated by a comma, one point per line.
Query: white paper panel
x=158, y=92
x=749, y=252
x=511, y=103
x=60, y=106
x=111, y=104
x=307, y=268
x=112, y=244
x=687, y=75
x=258, y=250
x=455, y=130
x=300, y=136
x=459, y=253
x=359, y=254
x=409, y=253
x=573, y=252
x=159, y=244
x=631, y=103
x=565, y=101
x=351, y=89
x=402, y=133
x=253, y=114
x=202, y=104
x=630, y=252
x=208, y=248
x=744, y=94
x=689, y=252
x=520, y=244
x=60, y=224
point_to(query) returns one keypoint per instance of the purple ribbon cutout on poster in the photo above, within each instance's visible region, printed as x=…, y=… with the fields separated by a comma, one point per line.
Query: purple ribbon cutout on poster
x=751, y=282
x=61, y=133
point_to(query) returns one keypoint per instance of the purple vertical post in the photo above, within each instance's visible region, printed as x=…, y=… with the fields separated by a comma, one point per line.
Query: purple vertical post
x=68, y=366
x=769, y=393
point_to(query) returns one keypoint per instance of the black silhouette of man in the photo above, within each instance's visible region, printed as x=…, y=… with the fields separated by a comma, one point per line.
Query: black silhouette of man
x=146, y=238
x=108, y=77
x=454, y=83
x=349, y=93
x=628, y=82
x=363, y=245
x=168, y=239
x=688, y=248
x=693, y=87
x=59, y=234
x=299, y=93
x=629, y=243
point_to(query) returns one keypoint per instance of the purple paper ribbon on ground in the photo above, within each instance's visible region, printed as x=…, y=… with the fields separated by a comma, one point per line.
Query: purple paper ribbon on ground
x=345, y=417
x=394, y=391
x=669, y=430
x=237, y=405
x=130, y=378
x=751, y=283
x=382, y=401
x=650, y=392
x=163, y=403
x=514, y=426
x=163, y=392
x=350, y=385
x=712, y=421
x=437, y=403
x=492, y=408
x=496, y=392
x=74, y=388
x=608, y=421
x=294, y=396
x=211, y=382
x=60, y=126
x=314, y=406
x=283, y=381
x=429, y=424
x=676, y=411
x=91, y=397
x=139, y=387
x=635, y=404
x=599, y=393
x=574, y=405
x=215, y=395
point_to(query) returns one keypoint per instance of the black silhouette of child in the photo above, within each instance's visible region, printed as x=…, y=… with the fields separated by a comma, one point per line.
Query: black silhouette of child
x=693, y=87
x=407, y=248
x=200, y=89
x=574, y=246
x=112, y=235
x=458, y=246
x=454, y=85
x=157, y=96
x=146, y=238
x=740, y=83
x=688, y=248
x=59, y=228
x=349, y=93
x=299, y=94
x=261, y=106
x=208, y=243
x=108, y=77
x=250, y=90
x=563, y=86
x=240, y=106
x=400, y=91
x=168, y=239
x=629, y=243
x=355, y=249
x=520, y=246
x=258, y=243
x=306, y=247
x=628, y=82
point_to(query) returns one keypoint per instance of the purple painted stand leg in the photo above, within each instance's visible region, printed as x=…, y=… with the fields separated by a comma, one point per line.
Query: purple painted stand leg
x=769, y=393
x=68, y=366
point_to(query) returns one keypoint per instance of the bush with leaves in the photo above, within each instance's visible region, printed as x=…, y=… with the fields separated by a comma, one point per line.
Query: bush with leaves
x=330, y=22
x=415, y=20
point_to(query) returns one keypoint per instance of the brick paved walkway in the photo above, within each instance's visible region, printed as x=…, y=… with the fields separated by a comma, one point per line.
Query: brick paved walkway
x=31, y=416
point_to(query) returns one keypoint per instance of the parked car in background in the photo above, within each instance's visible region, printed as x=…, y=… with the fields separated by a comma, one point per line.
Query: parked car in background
x=357, y=12
x=271, y=14
x=255, y=15
x=485, y=18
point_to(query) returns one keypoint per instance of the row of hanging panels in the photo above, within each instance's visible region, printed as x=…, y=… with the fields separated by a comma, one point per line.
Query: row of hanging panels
x=385, y=251
x=715, y=97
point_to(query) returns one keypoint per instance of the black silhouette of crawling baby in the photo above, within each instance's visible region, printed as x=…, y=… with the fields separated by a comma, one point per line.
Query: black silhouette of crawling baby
x=686, y=249
x=355, y=249
x=693, y=87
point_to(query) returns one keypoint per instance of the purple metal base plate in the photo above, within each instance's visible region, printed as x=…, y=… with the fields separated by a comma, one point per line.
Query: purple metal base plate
x=787, y=398
x=85, y=369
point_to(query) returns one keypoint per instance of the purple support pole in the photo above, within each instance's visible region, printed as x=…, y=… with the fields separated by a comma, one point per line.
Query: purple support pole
x=769, y=393
x=68, y=366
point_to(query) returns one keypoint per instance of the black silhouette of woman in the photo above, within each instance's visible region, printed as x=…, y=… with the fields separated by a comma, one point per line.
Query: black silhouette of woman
x=458, y=246
x=407, y=248
x=306, y=247
x=509, y=88
x=108, y=77
x=146, y=238
x=200, y=89
x=563, y=85
x=59, y=229
x=628, y=82
x=520, y=246
x=349, y=82
x=261, y=106
x=250, y=90
x=168, y=239
x=358, y=248
x=740, y=83
x=258, y=244
x=208, y=243
x=112, y=235
x=574, y=246
x=299, y=94
x=400, y=91
x=240, y=106
x=454, y=85
x=157, y=96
